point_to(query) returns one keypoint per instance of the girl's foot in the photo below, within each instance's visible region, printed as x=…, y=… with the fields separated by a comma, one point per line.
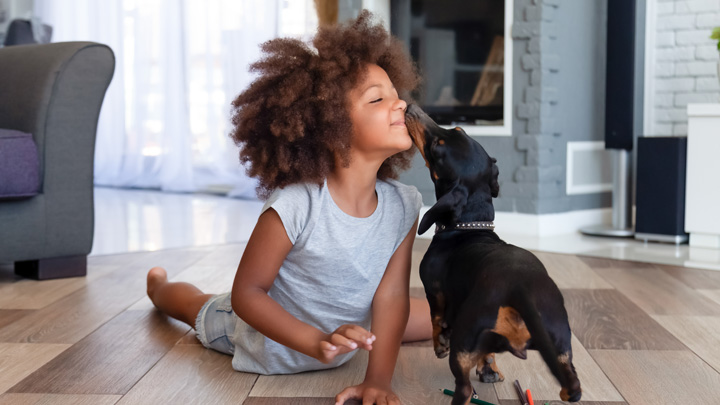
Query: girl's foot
x=155, y=277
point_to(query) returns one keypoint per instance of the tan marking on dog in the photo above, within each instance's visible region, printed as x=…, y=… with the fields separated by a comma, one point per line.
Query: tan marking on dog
x=417, y=133
x=435, y=176
x=437, y=329
x=441, y=142
x=467, y=361
x=510, y=324
x=564, y=358
x=564, y=394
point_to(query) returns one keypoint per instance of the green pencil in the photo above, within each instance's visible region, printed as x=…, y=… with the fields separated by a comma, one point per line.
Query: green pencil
x=472, y=400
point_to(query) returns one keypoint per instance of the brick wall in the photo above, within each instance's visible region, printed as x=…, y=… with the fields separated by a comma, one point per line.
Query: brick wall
x=685, y=62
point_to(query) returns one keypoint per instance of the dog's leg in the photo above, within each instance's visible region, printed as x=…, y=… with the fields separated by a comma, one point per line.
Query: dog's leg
x=571, y=390
x=461, y=363
x=488, y=370
x=441, y=331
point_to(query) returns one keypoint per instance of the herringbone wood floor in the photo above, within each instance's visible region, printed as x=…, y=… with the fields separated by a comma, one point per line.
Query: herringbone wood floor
x=643, y=334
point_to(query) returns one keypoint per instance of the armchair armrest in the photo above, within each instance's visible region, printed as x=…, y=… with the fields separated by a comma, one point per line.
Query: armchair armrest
x=54, y=91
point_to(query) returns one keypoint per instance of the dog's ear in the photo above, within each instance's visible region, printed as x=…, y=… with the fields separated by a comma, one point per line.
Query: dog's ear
x=449, y=206
x=494, y=185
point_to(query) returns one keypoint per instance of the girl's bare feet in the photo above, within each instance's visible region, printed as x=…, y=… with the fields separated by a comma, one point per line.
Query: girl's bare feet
x=179, y=300
x=155, y=277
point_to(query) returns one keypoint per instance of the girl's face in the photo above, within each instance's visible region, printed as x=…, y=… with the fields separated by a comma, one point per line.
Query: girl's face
x=378, y=116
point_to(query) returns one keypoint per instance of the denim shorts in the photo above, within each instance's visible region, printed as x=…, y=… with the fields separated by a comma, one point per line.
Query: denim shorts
x=215, y=324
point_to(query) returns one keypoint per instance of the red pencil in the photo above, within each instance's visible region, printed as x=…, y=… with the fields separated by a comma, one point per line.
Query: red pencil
x=529, y=397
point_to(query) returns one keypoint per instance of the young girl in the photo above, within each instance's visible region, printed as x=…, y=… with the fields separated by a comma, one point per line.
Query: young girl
x=329, y=258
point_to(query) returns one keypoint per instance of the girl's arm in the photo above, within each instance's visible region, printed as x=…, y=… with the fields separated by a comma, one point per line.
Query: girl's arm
x=390, y=310
x=265, y=252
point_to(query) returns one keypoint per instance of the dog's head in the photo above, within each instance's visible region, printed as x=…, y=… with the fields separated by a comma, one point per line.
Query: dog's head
x=465, y=176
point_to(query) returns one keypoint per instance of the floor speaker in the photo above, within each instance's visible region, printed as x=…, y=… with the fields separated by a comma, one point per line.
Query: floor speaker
x=660, y=193
x=621, y=111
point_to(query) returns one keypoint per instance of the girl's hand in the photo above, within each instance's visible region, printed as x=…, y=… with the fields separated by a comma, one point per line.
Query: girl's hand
x=343, y=340
x=369, y=394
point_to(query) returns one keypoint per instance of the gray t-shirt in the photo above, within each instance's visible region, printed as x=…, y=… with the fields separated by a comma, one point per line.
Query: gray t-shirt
x=331, y=273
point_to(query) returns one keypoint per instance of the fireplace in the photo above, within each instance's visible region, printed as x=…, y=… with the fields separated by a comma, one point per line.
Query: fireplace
x=463, y=52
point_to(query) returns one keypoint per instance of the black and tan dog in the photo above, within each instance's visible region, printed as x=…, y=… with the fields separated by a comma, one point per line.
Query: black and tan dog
x=485, y=295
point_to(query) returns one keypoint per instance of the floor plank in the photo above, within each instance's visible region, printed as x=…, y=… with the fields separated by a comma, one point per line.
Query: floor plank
x=712, y=294
x=18, y=360
x=558, y=402
x=292, y=401
x=606, y=319
x=695, y=278
x=323, y=383
x=191, y=374
x=534, y=374
x=8, y=316
x=570, y=272
x=189, y=338
x=655, y=291
x=660, y=377
x=699, y=333
x=33, y=294
x=110, y=360
x=420, y=376
x=57, y=399
x=77, y=315
x=103, y=343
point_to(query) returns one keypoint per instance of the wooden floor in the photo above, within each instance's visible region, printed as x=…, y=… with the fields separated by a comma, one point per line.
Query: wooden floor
x=643, y=334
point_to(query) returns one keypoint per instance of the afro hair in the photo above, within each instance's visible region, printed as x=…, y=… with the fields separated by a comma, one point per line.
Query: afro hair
x=293, y=121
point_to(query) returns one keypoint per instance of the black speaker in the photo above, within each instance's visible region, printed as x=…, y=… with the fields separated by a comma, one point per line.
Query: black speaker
x=660, y=194
x=620, y=73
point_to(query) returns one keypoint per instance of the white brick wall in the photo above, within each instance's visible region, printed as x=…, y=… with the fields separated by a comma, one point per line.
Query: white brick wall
x=685, y=68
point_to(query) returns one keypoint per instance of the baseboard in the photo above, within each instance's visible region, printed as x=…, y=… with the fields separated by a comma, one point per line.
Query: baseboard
x=541, y=225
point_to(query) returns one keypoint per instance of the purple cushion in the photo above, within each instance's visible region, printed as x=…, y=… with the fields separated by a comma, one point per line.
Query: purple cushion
x=19, y=165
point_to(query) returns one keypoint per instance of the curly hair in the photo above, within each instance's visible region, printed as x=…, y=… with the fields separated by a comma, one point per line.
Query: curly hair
x=293, y=121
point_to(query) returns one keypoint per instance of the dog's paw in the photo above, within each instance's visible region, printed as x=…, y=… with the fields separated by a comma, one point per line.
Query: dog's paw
x=442, y=348
x=488, y=375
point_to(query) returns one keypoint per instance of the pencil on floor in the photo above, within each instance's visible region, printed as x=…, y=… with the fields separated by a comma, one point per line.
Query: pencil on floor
x=472, y=400
x=528, y=395
x=521, y=394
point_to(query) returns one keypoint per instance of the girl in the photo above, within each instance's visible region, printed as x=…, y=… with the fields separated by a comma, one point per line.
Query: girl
x=324, y=132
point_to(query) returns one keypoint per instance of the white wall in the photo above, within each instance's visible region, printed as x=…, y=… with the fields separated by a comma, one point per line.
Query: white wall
x=12, y=9
x=682, y=65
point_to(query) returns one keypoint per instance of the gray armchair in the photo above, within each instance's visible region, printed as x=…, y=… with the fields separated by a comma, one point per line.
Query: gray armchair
x=53, y=92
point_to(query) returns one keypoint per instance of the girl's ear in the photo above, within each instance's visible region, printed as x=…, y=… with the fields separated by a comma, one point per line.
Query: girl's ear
x=447, y=209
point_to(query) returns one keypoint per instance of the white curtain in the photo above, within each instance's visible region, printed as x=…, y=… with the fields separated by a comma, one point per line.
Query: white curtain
x=165, y=119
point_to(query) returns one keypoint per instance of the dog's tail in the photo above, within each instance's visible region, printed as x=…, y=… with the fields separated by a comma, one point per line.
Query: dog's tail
x=520, y=300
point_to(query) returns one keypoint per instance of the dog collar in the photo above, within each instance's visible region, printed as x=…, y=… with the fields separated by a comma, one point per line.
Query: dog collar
x=488, y=225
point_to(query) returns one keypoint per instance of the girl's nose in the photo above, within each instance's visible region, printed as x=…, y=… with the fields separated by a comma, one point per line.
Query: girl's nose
x=400, y=104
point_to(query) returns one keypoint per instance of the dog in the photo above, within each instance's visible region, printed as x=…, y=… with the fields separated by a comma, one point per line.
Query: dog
x=485, y=296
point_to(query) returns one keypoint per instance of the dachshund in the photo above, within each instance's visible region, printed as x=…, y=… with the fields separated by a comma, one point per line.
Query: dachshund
x=485, y=296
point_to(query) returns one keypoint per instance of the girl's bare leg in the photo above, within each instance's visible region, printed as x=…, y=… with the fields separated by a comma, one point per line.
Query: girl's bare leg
x=419, y=326
x=181, y=301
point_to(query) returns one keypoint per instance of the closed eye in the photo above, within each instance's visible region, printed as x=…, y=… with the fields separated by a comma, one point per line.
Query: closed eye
x=376, y=101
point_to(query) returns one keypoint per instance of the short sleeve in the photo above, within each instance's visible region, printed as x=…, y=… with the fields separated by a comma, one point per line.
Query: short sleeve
x=292, y=204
